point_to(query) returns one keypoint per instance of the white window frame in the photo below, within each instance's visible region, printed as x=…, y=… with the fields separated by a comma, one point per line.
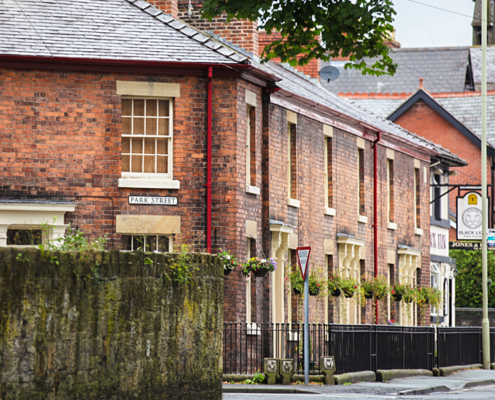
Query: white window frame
x=289, y=161
x=146, y=179
x=170, y=136
x=248, y=147
x=170, y=241
x=33, y=216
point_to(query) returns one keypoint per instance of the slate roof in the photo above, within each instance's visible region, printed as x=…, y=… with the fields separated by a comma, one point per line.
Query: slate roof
x=465, y=108
x=443, y=70
x=104, y=29
x=476, y=65
x=298, y=85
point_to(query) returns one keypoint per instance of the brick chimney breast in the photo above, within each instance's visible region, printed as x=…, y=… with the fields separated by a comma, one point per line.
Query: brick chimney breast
x=241, y=33
x=312, y=68
x=167, y=6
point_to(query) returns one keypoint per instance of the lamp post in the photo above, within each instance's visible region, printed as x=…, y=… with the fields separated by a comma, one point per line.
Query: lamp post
x=485, y=324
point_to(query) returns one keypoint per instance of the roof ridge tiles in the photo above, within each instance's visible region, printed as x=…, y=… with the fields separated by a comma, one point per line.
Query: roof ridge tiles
x=210, y=41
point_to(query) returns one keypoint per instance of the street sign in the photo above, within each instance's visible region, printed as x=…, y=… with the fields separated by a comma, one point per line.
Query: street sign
x=303, y=258
x=153, y=200
x=490, y=239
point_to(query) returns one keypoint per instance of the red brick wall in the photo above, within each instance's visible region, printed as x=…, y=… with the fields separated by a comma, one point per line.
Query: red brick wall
x=167, y=6
x=313, y=226
x=426, y=122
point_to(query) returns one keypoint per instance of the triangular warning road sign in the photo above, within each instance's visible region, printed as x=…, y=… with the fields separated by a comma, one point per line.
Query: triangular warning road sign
x=303, y=259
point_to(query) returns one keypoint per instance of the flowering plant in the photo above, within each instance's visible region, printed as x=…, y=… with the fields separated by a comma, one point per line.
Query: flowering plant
x=429, y=295
x=348, y=286
x=229, y=261
x=296, y=281
x=258, y=265
x=334, y=283
x=410, y=294
x=315, y=284
x=398, y=291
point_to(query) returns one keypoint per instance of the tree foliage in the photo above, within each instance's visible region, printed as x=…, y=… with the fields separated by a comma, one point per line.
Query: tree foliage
x=468, y=282
x=319, y=29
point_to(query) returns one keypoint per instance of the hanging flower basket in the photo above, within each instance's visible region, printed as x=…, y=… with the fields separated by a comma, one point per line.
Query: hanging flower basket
x=260, y=273
x=228, y=260
x=259, y=267
x=336, y=292
x=407, y=299
x=296, y=291
x=368, y=295
x=348, y=293
x=314, y=292
x=397, y=297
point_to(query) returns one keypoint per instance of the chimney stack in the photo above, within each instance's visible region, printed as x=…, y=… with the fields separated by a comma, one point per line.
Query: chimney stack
x=167, y=6
x=241, y=33
x=312, y=68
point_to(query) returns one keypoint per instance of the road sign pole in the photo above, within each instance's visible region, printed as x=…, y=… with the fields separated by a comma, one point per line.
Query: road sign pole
x=306, y=330
x=303, y=254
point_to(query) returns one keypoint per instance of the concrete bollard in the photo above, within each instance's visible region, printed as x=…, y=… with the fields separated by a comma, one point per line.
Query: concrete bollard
x=327, y=368
x=271, y=370
x=286, y=370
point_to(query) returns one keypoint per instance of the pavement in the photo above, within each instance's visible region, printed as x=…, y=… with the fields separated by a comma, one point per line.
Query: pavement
x=467, y=384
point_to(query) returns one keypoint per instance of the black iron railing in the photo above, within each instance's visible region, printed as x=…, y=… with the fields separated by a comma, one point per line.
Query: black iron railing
x=355, y=347
x=459, y=346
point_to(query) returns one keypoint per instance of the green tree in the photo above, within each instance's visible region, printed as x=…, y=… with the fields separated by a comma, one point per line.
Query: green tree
x=355, y=28
x=468, y=282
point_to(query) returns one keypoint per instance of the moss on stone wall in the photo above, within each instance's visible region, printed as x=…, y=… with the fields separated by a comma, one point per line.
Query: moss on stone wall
x=105, y=325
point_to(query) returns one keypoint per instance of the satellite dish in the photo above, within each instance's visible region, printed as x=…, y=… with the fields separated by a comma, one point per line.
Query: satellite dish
x=329, y=73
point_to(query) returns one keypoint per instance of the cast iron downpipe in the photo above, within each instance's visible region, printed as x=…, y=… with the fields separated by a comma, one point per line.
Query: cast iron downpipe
x=208, y=163
x=375, y=213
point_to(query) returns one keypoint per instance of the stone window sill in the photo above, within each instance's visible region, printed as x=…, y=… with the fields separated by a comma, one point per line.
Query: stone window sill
x=363, y=219
x=148, y=183
x=252, y=190
x=293, y=203
x=330, y=211
x=392, y=226
x=418, y=231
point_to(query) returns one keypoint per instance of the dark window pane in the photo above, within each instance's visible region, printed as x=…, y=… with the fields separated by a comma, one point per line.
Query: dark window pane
x=151, y=108
x=150, y=243
x=126, y=242
x=139, y=108
x=164, y=108
x=137, y=243
x=23, y=237
x=163, y=244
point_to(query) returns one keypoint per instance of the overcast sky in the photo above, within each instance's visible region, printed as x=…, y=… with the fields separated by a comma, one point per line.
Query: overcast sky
x=417, y=25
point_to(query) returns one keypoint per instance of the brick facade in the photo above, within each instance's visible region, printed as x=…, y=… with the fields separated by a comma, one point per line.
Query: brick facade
x=61, y=140
x=426, y=122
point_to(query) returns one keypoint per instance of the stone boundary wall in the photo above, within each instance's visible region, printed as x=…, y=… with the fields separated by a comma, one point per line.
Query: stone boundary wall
x=107, y=325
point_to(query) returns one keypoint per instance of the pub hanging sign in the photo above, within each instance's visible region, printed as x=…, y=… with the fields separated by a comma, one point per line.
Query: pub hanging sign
x=153, y=200
x=469, y=216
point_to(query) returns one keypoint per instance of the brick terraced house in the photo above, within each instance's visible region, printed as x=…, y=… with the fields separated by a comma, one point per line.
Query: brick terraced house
x=119, y=118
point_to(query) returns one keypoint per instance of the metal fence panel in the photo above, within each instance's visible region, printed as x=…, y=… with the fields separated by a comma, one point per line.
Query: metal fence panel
x=458, y=346
x=355, y=347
